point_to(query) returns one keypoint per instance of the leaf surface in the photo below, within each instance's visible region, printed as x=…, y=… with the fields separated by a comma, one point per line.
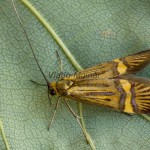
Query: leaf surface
x=94, y=32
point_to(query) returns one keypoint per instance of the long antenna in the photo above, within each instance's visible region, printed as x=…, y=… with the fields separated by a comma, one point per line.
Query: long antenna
x=29, y=42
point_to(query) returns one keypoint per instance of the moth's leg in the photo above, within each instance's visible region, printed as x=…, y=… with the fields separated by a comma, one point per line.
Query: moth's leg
x=49, y=97
x=56, y=106
x=60, y=62
x=71, y=110
x=77, y=118
x=38, y=83
x=49, y=75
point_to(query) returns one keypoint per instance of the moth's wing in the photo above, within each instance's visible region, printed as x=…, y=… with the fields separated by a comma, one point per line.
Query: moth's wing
x=130, y=96
x=140, y=93
x=126, y=65
x=104, y=70
x=133, y=63
x=101, y=92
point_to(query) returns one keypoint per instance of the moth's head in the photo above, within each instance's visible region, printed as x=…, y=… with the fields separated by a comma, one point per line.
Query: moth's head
x=52, y=88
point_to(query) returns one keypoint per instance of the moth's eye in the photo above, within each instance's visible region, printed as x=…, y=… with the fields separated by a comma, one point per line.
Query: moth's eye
x=52, y=92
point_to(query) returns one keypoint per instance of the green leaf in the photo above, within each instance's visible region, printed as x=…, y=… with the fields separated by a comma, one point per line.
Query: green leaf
x=94, y=32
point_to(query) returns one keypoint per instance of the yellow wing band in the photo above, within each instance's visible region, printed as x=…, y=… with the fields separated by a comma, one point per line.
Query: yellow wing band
x=128, y=101
x=121, y=67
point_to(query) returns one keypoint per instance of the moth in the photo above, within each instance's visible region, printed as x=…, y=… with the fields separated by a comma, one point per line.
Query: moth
x=110, y=84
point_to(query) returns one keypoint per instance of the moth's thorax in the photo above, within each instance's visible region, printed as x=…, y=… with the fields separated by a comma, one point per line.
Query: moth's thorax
x=62, y=86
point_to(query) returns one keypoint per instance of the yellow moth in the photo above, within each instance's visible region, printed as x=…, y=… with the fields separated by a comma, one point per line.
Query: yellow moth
x=109, y=84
